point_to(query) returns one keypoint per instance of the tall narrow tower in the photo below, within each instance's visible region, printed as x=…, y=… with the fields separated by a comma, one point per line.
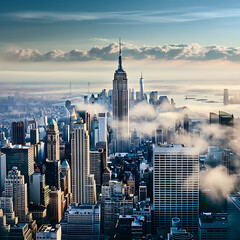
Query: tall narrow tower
x=53, y=151
x=120, y=107
x=141, y=87
x=83, y=183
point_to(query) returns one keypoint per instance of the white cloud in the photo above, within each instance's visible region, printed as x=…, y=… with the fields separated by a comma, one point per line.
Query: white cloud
x=191, y=52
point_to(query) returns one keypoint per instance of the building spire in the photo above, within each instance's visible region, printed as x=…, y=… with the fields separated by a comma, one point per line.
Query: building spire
x=120, y=56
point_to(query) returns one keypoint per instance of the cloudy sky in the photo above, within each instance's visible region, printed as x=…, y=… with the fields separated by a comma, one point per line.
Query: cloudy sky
x=168, y=40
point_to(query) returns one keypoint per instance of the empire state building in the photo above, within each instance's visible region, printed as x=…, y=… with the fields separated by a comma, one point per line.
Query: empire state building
x=120, y=108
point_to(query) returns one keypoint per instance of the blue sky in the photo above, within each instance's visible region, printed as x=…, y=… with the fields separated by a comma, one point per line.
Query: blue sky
x=59, y=40
x=60, y=24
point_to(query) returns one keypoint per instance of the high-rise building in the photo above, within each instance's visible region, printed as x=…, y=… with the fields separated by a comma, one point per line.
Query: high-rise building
x=16, y=188
x=66, y=133
x=52, y=175
x=213, y=226
x=81, y=165
x=39, y=191
x=81, y=222
x=102, y=127
x=53, y=151
x=233, y=209
x=50, y=232
x=176, y=186
x=141, y=87
x=55, y=205
x=34, y=136
x=227, y=158
x=18, y=133
x=66, y=171
x=6, y=204
x=225, y=97
x=95, y=168
x=106, y=176
x=120, y=108
x=21, y=157
x=2, y=171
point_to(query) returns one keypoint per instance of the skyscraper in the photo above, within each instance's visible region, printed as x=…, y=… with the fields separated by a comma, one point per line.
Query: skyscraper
x=176, y=186
x=53, y=170
x=18, y=133
x=81, y=164
x=16, y=188
x=120, y=108
x=81, y=222
x=34, y=136
x=225, y=97
x=39, y=191
x=21, y=157
x=102, y=127
x=141, y=87
x=2, y=171
x=53, y=152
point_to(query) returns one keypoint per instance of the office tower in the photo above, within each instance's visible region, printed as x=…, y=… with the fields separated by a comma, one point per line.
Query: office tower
x=120, y=108
x=53, y=153
x=21, y=157
x=153, y=97
x=226, y=118
x=225, y=97
x=86, y=118
x=213, y=118
x=52, y=175
x=6, y=204
x=142, y=194
x=141, y=87
x=2, y=171
x=227, y=158
x=81, y=164
x=81, y=222
x=103, y=149
x=213, y=226
x=177, y=233
x=55, y=205
x=106, y=176
x=90, y=190
x=16, y=188
x=176, y=186
x=94, y=132
x=129, y=227
x=39, y=191
x=50, y=232
x=66, y=171
x=95, y=168
x=34, y=136
x=102, y=127
x=186, y=123
x=66, y=133
x=18, y=133
x=233, y=210
x=20, y=231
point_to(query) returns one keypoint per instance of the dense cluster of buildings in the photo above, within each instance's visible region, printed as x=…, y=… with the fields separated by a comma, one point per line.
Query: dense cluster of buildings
x=80, y=175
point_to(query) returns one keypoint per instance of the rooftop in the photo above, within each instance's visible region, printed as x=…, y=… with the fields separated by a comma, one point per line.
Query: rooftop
x=49, y=228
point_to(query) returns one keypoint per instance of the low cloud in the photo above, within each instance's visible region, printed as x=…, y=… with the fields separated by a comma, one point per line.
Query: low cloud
x=219, y=180
x=168, y=52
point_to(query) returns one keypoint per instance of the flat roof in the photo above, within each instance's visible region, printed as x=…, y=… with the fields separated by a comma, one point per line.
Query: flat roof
x=177, y=148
